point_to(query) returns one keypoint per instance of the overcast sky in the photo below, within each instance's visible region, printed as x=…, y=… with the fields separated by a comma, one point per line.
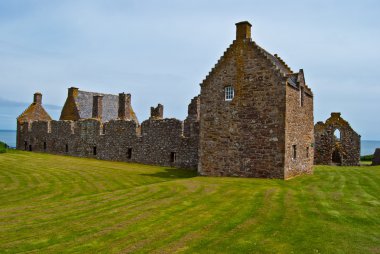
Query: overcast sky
x=159, y=51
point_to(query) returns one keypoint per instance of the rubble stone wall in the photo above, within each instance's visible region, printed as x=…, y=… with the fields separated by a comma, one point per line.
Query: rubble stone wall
x=243, y=137
x=161, y=141
x=329, y=149
x=299, y=131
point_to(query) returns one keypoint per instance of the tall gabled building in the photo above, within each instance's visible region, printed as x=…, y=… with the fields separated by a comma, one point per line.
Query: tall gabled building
x=256, y=115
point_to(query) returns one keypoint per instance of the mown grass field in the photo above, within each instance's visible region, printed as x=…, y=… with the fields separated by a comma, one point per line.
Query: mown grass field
x=58, y=204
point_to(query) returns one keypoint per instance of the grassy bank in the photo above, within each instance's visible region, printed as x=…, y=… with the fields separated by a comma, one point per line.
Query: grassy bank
x=55, y=204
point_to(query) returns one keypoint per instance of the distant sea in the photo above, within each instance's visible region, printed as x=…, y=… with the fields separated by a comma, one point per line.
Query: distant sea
x=367, y=146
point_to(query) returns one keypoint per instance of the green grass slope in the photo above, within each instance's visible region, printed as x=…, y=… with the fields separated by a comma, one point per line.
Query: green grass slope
x=58, y=204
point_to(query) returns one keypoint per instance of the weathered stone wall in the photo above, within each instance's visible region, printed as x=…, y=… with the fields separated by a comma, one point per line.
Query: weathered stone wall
x=114, y=140
x=299, y=131
x=245, y=136
x=250, y=135
x=330, y=150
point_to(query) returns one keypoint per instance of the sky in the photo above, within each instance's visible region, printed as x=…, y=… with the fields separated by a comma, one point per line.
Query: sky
x=160, y=51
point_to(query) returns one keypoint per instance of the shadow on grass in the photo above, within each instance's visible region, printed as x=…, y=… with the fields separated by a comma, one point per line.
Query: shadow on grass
x=174, y=173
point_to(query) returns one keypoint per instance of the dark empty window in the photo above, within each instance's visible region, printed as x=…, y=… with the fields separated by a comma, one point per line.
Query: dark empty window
x=307, y=152
x=30, y=147
x=173, y=156
x=94, y=150
x=66, y=148
x=44, y=146
x=294, y=153
x=25, y=145
x=129, y=153
x=302, y=96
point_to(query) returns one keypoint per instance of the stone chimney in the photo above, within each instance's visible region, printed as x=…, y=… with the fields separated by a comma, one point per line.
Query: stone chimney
x=157, y=112
x=124, y=111
x=73, y=91
x=37, y=98
x=97, y=106
x=243, y=30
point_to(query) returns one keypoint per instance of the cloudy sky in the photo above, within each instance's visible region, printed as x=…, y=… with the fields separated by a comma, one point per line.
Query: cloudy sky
x=159, y=51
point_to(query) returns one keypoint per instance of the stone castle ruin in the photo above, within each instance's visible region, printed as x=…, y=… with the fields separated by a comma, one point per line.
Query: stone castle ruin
x=253, y=118
x=336, y=143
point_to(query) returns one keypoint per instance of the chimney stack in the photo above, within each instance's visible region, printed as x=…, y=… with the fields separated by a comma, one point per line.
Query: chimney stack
x=124, y=111
x=243, y=30
x=97, y=107
x=157, y=112
x=73, y=92
x=37, y=98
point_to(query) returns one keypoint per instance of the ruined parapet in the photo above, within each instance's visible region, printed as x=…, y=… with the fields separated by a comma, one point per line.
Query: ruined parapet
x=336, y=143
x=191, y=123
x=157, y=113
x=376, y=157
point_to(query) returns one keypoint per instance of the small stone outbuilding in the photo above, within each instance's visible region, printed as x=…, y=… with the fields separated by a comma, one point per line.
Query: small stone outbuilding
x=336, y=143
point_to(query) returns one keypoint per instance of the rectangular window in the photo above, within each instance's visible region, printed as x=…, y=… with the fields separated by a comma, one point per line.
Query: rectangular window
x=129, y=153
x=67, y=148
x=44, y=146
x=94, y=150
x=228, y=93
x=30, y=147
x=25, y=145
x=307, y=152
x=173, y=157
x=294, y=153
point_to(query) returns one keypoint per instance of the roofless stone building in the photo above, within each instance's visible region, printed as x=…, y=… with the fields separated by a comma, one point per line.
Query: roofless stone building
x=253, y=118
x=336, y=143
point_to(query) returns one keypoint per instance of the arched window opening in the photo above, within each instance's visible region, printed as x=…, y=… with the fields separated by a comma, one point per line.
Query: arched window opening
x=337, y=135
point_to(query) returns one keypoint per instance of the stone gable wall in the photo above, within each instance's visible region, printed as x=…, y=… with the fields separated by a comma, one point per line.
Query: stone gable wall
x=245, y=136
x=347, y=148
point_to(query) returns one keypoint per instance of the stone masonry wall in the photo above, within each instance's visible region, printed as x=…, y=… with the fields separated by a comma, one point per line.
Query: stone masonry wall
x=299, y=131
x=245, y=136
x=161, y=141
x=346, y=150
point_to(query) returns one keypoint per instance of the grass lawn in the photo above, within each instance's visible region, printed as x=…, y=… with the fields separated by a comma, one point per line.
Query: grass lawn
x=55, y=204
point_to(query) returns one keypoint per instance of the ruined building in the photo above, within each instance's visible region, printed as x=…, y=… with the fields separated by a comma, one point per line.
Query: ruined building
x=253, y=118
x=336, y=143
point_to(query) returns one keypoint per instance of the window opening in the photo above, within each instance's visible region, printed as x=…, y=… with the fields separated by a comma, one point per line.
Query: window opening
x=173, y=157
x=129, y=153
x=228, y=93
x=337, y=135
x=294, y=154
